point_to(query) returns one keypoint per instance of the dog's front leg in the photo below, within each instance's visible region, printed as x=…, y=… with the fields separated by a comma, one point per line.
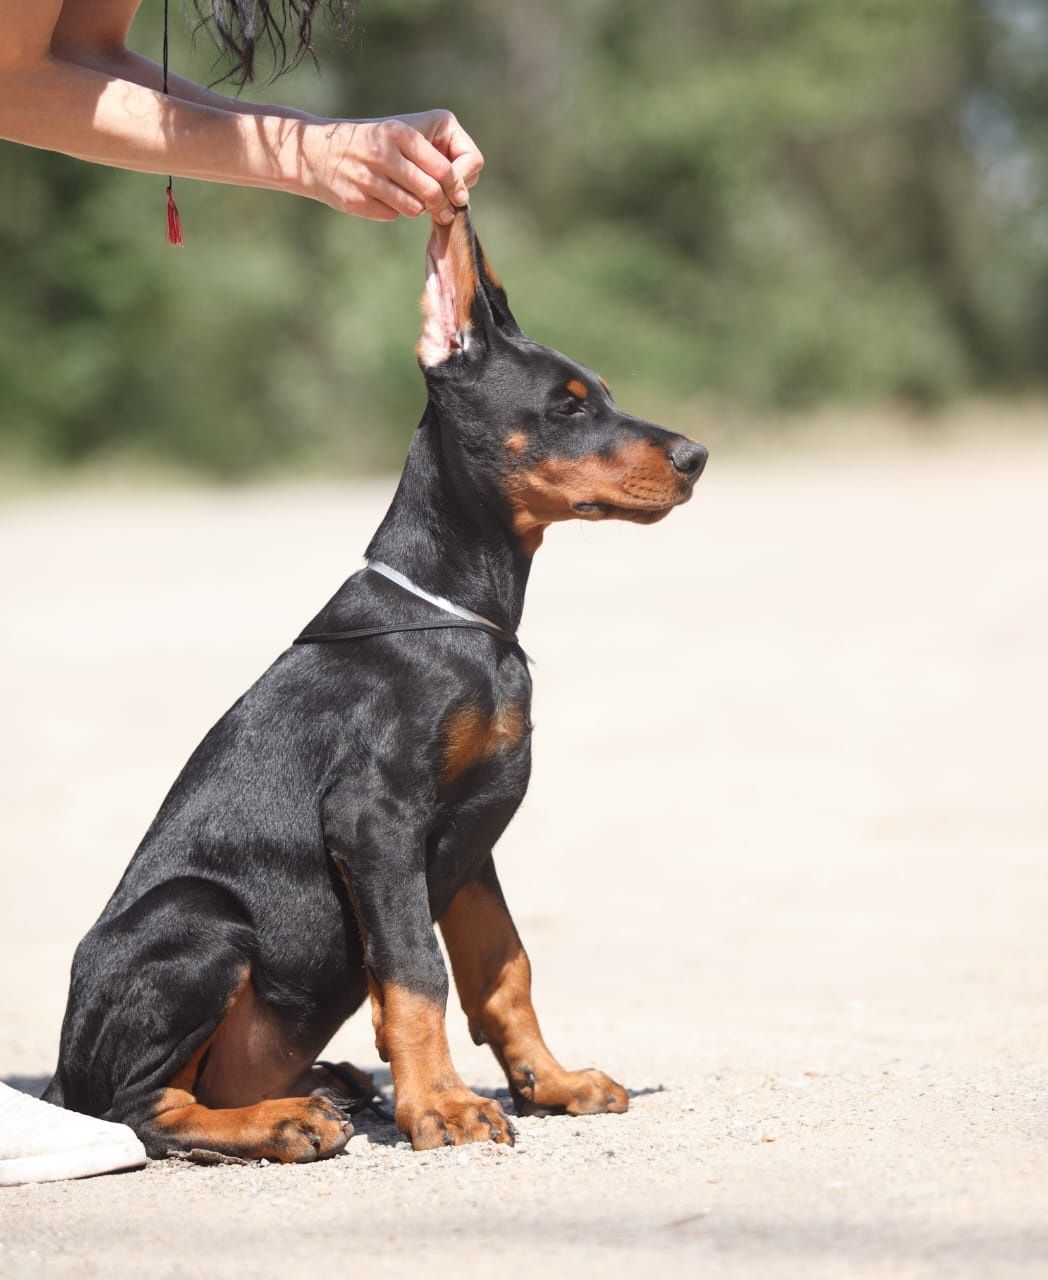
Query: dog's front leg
x=493, y=976
x=383, y=866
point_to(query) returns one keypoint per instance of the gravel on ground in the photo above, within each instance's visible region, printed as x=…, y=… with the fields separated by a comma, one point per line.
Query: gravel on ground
x=781, y=871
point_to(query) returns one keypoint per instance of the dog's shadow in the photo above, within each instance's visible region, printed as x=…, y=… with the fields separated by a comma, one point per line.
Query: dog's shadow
x=647, y=1091
x=381, y=1130
x=33, y=1085
x=384, y=1133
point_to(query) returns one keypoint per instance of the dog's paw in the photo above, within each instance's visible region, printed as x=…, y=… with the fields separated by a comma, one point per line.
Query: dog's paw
x=308, y=1129
x=452, y=1118
x=573, y=1093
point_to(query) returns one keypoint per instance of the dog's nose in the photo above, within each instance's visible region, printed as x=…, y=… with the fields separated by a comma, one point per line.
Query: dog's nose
x=689, y=458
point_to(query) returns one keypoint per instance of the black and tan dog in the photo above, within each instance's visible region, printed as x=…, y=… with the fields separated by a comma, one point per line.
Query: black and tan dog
x=354, y=794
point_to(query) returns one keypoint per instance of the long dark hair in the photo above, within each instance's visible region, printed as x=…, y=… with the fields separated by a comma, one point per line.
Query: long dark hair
x=281, y=30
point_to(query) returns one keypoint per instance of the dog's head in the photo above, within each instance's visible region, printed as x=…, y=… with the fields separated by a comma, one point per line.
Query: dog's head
x=529, y=423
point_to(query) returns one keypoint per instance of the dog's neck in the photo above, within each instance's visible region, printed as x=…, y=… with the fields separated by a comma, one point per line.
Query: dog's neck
x=447, y=536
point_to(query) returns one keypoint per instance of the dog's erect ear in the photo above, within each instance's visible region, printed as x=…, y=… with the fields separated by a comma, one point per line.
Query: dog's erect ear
x=463, y=302
x=494, y=294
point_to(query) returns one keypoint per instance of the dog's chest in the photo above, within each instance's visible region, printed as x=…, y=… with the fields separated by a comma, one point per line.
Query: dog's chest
x=484, y=730
x=478, y=737
x=485, y=766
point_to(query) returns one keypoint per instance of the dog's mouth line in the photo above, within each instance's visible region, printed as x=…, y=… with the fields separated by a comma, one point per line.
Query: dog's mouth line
x=627, y=508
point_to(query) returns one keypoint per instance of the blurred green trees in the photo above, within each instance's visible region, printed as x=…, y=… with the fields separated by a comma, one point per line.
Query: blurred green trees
x=773, y=202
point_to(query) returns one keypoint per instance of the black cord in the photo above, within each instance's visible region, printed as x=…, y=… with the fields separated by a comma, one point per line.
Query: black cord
x=165, y=74
x=165, y=45
x=362, y=633
x=357, y=1099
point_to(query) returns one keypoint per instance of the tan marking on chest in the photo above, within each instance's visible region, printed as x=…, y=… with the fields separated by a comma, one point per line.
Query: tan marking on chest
x=471, y=736
x=516, y=441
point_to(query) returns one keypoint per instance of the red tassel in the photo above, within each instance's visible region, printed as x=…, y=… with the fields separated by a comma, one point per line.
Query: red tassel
x=174, y=222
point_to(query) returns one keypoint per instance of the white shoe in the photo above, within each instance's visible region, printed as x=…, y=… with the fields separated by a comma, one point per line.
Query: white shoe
x=42, y=1143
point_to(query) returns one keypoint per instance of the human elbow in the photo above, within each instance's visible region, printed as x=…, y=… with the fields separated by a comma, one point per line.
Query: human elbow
x=106, y=56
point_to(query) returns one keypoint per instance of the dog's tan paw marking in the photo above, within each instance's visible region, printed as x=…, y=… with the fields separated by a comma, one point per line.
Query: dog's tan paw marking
x=453, y=1118
x=574, y=1093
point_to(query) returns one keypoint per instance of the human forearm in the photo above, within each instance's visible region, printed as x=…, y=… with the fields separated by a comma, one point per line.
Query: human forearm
x=102, y=103
x=63, y=106
x=128, y=65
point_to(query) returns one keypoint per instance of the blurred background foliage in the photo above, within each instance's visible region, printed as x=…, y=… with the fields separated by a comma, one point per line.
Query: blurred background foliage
x=771, y=204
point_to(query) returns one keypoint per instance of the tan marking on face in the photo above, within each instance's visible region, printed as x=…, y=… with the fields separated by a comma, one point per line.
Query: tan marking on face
x=604, y=384
x=471, y=737
x=578, y=389
x=530, y=535
x=638, y=481
x=516, y=441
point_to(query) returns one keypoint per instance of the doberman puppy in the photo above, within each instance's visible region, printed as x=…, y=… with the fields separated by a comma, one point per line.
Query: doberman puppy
x=354, y=794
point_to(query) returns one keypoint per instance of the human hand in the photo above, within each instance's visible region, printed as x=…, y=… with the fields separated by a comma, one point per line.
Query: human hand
x=414, y=164
x=452, y=141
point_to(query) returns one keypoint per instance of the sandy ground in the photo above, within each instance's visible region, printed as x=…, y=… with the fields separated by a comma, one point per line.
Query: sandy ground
x=781, y=871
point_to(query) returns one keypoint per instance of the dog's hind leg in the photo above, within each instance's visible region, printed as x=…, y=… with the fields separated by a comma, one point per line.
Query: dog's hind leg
x=289, y=1130
x=240, y=1095
x=161, y=1009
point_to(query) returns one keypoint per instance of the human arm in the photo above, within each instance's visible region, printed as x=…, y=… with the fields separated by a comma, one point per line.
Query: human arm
x=68, y=84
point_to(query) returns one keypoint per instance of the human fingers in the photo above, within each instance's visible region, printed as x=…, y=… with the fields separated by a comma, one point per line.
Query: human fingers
x=470, y=177
x=421, y=152
x=463, y=152
x=422, y=185
x=378, y=187
x=363, y=206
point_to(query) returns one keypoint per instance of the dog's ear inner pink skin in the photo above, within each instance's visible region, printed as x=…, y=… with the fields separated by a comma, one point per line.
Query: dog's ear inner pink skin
x=447, y=301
